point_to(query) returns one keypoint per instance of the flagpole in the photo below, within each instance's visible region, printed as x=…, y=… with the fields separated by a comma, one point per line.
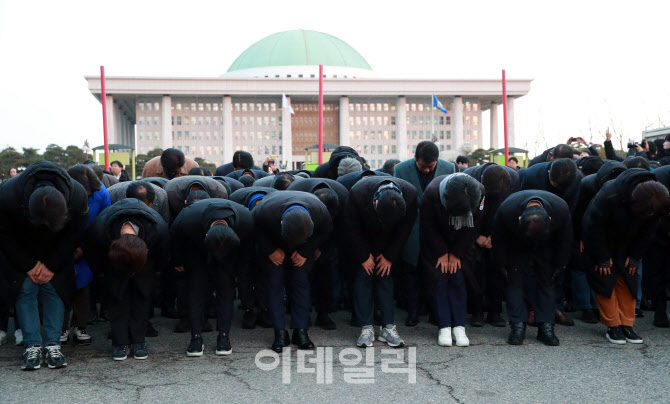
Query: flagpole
x=504, y=96
x=104, y=115
x=432, y=118
x=320, y=114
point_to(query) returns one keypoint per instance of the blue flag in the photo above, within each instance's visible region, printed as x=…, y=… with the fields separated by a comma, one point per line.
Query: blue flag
x=437, y=104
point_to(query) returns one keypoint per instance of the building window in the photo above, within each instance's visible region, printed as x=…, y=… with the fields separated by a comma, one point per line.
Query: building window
x=393, y=149
x=448, y=120
x=179, y=120
x=201, y=106
x=448, y=134
x=148, y=106
x=156, y=107
x=215, y=107
x=156, y=120
x=141, y=106
x=441, y=120
x=468, y=106
x=208, y=106
x=475, y=107
x=188, y=121
x=475, y=134
x=475, y=120
x=467, y=120
x=179, y=106
x=393, y=120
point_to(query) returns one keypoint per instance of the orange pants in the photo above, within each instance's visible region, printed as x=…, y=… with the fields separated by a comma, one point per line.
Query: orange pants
x=619, y=309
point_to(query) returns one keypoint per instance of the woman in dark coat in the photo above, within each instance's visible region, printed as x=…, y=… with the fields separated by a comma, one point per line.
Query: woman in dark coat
x=617, y=228
x=448, y=234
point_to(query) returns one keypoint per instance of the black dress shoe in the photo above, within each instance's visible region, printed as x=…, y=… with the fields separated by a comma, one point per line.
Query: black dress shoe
x=661, y=319
x=412, y=320
x=169, y=312
x=545, y=334
x=588, y=316
x=249, y=319
x=517, y=334
x=301, y=339
x=182, y=326
x=477, y=319
x=151, y=331
x=639, y=313
x=562, y=319
x=324, y=321
x=264, y=320
x=495, y=319
x=281, y=340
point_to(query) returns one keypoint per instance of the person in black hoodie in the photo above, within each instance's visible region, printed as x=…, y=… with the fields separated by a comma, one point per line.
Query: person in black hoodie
x=334, y=195
x=128, y=243
x=499, y=182
x=256, y=174
x=618, y=226
x=447, y=225
x=582, y=296
x=329, y=168
x=206, y=239
x=349, y=180
x=656, y=264
x=178, y=189
x=532, y=240
x=241, y=160
x=379, y=215
x=290, y=229
x=43, y=217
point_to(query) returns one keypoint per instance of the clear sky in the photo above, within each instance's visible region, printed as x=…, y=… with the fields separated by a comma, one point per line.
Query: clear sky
x=595, y=64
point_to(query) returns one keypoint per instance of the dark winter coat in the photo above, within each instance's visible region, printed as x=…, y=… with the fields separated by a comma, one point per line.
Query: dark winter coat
x=191, y=226
x=366, y=234
x=160, y=204
x=228, y=168
x=537, y=177
x=178, y=189
x=233, y=184
x=243, y=196
x=329, y=168
x=610, y=231
x=514, y=252
x=267, y=222
x=158, y=181
x=350, y=179
x=24, y=244
x=257, y=174
x=312, y=184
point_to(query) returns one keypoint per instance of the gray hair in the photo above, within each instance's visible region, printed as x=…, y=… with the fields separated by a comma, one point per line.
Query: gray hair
x=348, y=165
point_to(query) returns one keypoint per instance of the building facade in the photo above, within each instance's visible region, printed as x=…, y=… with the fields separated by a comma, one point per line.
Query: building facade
x=382, y=118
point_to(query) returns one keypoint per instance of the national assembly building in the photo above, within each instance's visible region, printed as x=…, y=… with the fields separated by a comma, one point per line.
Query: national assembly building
x=382, y=118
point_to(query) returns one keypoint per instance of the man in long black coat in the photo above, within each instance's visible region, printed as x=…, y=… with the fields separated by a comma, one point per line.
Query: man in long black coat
x=205, y=240
x=532, y=242
x=499, y=182
x=138, y=236
x=379, y=215
x=350, y=179
x=618, y=227
x=43, y=217
x=329, y=168
x=255, y=174
x=290, y=228
x=334, y=195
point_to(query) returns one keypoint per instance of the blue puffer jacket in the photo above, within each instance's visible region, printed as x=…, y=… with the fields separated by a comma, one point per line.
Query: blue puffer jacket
x=97, y=202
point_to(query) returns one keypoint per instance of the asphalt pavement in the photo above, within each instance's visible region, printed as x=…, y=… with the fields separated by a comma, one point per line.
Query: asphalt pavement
x=585, y=368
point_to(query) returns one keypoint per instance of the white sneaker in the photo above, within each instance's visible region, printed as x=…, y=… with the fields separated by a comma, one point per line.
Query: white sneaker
x=81, y=335
x=65, y=336
x=444, y=339
x=18, y=336
x=3, y=338
x=461, y=338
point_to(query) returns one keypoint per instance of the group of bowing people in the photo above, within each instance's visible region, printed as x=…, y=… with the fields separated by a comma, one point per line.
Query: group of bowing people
x=463, y=241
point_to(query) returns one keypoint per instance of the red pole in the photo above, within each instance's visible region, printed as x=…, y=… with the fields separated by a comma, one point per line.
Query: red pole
x=320, y=114
x=504, y=91
x=104, y=115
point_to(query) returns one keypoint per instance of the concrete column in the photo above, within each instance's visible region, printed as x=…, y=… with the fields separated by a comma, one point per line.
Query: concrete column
x=111, y=120
x=286, y=137
x=494, y=126
x=227, y=125
x=344, y=121
x=131, y=134
x=458, y=137
x=166, y=122
x=401, y=124
x=511, y=141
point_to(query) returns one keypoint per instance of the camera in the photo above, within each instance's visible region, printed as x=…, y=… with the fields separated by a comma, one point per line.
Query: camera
x=632, y=145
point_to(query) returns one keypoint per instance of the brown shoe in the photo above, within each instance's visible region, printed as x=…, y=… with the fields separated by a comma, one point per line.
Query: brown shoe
x=531, y=319
x=562, y=319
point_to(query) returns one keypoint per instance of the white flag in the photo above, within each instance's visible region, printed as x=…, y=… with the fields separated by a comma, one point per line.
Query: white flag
x=285, y=104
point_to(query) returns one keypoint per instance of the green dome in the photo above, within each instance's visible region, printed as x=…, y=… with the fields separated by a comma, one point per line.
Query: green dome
x=299, y=48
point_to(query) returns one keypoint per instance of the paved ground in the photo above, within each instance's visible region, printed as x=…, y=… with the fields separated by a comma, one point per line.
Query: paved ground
x=585, y=368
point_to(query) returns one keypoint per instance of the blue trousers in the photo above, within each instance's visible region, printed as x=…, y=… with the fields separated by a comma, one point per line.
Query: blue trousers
x=371, y=290
x=450, y=299
x=583, y=297
x=29, y=317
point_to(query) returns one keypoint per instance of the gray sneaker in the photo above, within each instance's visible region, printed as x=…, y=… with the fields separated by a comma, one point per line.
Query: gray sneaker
x=367, y=337
x=389, y=334
x=54, y=357
x=32, y=358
